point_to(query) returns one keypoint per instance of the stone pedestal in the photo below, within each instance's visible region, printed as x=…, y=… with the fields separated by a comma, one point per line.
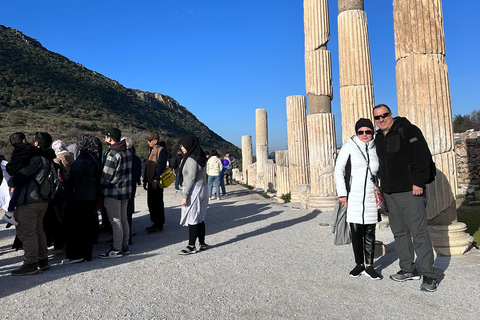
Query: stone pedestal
x=303, y=194
x=299, y=172
x=247, y=156
x=281, y=162
x=356, y=82
x=424, y=98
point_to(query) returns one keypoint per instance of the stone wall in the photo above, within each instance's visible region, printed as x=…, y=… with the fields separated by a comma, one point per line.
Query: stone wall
x=467, y=155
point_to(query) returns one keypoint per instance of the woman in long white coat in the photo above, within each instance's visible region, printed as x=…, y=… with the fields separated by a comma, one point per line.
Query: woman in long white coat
x=357, y=193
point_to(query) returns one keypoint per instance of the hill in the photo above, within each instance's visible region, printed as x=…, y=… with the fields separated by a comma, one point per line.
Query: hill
x=44, y=91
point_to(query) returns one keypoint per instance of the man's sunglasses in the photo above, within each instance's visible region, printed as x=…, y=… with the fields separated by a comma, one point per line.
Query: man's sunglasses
x=386, y=114
x=367, y=132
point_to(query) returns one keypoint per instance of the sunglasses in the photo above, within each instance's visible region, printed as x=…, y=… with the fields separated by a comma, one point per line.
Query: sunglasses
x=383, y=116
x=367, y=132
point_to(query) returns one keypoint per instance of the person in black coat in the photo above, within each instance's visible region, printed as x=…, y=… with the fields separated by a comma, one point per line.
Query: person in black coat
x=136, y=175
x=82, y=192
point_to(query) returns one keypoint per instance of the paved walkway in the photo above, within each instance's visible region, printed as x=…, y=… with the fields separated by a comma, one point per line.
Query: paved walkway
x=267, y=261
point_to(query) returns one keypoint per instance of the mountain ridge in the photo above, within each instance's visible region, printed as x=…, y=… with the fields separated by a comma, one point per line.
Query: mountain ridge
x=44, y=90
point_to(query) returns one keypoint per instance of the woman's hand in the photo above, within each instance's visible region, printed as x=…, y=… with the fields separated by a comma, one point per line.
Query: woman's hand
x=183, y=202
x=343, y=201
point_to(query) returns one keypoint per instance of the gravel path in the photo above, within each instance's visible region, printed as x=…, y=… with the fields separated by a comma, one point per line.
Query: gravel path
x=267, y=261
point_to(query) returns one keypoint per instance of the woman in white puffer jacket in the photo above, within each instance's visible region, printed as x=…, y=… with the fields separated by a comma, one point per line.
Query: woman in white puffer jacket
x=362, y=212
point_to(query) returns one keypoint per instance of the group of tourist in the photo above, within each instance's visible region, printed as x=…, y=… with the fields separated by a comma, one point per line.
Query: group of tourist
x=399, y=156
x=88, y=180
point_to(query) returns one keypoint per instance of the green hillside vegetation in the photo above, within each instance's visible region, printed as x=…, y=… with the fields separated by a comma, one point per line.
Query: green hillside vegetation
x=44, y=91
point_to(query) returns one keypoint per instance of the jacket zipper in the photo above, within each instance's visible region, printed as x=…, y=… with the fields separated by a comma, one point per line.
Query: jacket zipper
x=365, y=186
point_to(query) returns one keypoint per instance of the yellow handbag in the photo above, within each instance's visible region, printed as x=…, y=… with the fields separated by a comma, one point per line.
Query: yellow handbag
x=166, y=178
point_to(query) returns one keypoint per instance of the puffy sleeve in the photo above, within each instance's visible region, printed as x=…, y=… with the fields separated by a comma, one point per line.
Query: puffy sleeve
x=340, y=171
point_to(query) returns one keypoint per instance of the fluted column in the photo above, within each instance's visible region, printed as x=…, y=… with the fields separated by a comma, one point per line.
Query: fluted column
x=322, y=155
x=356, y=82
x=247, y=156
x=424, y=98
x=299, y=172
x=281, y=162
x=261, y=141
x=318, y=81
x=269, y=180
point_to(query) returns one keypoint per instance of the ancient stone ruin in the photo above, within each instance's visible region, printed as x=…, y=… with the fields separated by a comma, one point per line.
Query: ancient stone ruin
x=306, y=169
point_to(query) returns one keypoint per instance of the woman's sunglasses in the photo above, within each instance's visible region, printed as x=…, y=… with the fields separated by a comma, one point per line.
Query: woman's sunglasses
x=367, y=132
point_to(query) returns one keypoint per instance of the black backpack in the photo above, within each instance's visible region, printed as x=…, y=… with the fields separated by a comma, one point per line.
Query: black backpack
x=50, y=187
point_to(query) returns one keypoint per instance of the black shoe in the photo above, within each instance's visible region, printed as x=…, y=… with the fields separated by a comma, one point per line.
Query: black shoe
x=357, y=271
x=428, y=284
x=402, y=276
x=43, y=264
x=369, y=271
x=154, y=229
x=188, y=250
x=26, y=269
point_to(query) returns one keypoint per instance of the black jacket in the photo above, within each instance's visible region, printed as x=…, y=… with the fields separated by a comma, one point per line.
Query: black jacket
x=404, y=157
x=28, y=179
x=84, y=179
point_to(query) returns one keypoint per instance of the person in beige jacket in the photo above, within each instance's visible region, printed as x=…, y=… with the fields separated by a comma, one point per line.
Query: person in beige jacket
x=214, y=167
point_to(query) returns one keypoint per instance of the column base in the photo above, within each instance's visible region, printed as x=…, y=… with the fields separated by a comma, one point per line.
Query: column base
x=449, y=240
x=322, y=203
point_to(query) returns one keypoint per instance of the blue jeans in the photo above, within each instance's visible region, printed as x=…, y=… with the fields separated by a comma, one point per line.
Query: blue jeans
x=211, y=180
x=177, y=180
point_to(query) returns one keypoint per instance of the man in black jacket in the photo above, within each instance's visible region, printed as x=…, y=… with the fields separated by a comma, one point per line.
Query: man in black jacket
x=404, y=170
x=31, y=206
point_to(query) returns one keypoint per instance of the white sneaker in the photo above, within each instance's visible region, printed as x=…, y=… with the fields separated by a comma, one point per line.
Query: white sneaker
x=111, y=254
x=10, y=218
x=71, y=261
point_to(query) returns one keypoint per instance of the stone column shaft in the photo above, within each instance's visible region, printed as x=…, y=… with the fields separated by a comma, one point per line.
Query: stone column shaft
x=261, y=138
x=424, y=98
x=281, y=162
x=356, y=82
x=299, y=172
x=247, y=156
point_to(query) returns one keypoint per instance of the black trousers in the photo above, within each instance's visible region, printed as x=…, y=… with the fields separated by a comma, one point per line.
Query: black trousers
x=156, y=205
x=363, y=242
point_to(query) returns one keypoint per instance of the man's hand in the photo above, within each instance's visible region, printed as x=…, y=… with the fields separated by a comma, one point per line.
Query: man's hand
x=154, y=184
x=417, y=190
x=183, y=202
x=343, y=201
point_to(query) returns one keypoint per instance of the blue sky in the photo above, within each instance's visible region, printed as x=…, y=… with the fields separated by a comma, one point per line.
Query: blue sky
x=224, y=59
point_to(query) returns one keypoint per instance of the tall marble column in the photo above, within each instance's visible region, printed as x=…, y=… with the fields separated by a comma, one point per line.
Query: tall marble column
x=356, y=81
x=261, y=142
x=424, y=98
x=299, y=172
x=281, y=162
x=320, y=121
x=247, y=156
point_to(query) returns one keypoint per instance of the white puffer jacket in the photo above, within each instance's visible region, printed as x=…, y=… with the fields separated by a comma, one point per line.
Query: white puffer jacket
x=362, y=207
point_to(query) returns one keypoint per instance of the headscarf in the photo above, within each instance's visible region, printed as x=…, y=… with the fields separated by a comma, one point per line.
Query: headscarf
x=194, y=151
x=59, y=146
x=92, y=145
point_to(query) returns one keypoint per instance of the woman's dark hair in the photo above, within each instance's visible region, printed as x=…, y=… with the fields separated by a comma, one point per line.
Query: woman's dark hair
x=214, y=153
x=44, y=139
x=17, y=138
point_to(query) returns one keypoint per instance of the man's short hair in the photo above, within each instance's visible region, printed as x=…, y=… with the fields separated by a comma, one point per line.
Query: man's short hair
x=128, y=142
x=382, y=105
x=17, y=138
x=44, y=139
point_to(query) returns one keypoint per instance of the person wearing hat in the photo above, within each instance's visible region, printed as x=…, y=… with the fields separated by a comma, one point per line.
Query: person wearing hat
x=406, y=166
x=357, y=194
x=116, y=182
x=156, y=164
